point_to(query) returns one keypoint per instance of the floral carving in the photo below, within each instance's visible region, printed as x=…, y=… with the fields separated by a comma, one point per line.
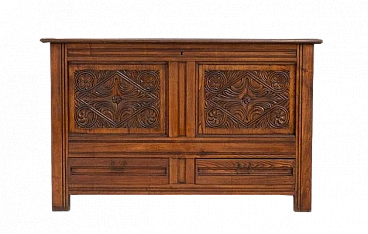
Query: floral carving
x=117, y=98
x=85, y=80
x=246, y=99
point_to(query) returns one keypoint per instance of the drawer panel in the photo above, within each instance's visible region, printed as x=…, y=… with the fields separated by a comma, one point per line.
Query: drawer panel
x=115, y=171
x=244, y=171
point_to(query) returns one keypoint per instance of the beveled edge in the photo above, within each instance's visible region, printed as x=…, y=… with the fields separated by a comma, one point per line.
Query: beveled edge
x=179, y=40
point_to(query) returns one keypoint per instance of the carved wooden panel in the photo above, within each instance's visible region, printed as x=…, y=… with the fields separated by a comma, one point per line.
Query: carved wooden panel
x=117, y=98
x=246, y=99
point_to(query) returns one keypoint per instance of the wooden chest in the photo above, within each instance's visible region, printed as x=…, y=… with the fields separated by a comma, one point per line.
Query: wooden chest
x=181, y=116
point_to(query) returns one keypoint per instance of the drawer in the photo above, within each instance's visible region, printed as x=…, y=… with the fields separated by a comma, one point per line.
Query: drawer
x=113, y=171
x=245, y=171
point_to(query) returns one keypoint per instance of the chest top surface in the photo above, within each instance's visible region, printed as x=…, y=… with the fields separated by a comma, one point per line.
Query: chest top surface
x=179, y=40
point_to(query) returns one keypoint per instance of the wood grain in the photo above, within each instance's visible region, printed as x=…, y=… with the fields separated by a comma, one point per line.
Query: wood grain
x=190, y=171
x=178, y=40
x=184, y=52
x=173, y=99
x=303, y=196
x=182, y=99
x=191, y=99
x=181, y=170
x=269, y=189
x=244, y=171
x=118, y=171
x=178, y=148
x=121, y=52
x=173, y=169
x=264, y=190
x=60, y=198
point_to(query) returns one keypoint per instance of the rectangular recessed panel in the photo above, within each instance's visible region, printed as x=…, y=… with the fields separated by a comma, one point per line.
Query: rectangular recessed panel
x=115, y=171
x=125, y=99
x=118, y=171
x=244, y=171
x=246, y=99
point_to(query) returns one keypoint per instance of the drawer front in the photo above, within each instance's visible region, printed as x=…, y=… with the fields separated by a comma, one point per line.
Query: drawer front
x=245, y=171
x=114, y=171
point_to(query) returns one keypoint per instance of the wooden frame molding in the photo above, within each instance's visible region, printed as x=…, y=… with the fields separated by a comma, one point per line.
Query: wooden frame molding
x=60, y=196
x=303, y=193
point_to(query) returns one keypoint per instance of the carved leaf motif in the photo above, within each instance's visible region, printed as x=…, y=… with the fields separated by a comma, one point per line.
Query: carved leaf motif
x=117, y=98
x=246, y=99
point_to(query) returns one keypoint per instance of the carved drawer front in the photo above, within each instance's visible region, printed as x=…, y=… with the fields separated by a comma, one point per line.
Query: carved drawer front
x=124, y=99
x=244, y=171
x=114, y=171
x=246, y=99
